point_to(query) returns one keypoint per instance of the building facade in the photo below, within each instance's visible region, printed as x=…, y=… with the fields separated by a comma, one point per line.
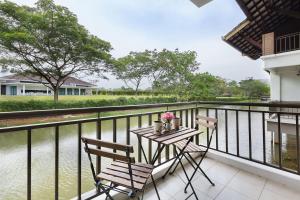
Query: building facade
x=17, y=85
x=271, y=32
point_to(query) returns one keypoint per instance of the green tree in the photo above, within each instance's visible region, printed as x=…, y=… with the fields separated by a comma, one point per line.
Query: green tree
x=254, y=88
x=205, y=86
x=172, y=69
x=46, y=41
x=233, y=89
x=133, y=68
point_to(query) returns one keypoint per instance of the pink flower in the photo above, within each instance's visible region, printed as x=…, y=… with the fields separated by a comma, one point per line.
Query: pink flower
x=168, y=116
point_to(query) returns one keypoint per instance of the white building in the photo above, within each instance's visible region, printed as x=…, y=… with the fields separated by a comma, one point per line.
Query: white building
x=20, y=85
x=271, y=31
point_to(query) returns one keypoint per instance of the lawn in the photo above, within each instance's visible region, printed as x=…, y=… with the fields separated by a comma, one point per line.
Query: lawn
x=66, y=98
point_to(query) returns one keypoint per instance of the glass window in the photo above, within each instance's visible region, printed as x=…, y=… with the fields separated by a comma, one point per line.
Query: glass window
x=76, y=91
x=62, y=91
x=13, y=90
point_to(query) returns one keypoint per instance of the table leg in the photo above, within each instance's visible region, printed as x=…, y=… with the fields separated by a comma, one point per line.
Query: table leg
x=156, y=154
x=177, y=157
x=143, y=151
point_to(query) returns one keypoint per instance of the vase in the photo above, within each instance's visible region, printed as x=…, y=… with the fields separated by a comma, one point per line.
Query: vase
x=168, y=126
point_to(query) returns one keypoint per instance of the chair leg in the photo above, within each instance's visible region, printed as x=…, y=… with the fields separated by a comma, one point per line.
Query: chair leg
x=154, y=184
x=179, y=158
x=188, y=179
x=175, y=159
x=200, y=169
x=106, y=192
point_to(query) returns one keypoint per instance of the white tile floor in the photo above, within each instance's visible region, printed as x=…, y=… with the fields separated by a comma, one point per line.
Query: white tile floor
x=231, y=184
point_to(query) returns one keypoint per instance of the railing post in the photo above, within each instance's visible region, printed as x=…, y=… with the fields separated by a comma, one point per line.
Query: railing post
x=207, y=129
x=98, y=136
x=114, y=132
x=217, y=137
x=197, y=136
x=79, y=162
x=139, y=145
x=56, y=161
x=159, y=145
x=250, y=134
x=237, y=133
x=264, y=136
x=226, y=130
x=187, y=118
x=279, y=140
x=149, y=141
x=128, y=130
x=28, y=164
x=298, y=142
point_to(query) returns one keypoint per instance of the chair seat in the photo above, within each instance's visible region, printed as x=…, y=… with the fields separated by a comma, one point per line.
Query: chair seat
x=191, y=148
x=118, y=173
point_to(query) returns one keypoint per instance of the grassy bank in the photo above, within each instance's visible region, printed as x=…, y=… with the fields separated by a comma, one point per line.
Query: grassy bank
x=66, y=98
x=8, y=104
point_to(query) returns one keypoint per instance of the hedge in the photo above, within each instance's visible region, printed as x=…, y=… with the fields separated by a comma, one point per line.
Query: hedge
x=7, y=106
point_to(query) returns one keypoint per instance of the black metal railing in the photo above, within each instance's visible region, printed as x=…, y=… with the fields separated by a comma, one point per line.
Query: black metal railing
x=237, y=128
x=286, y=43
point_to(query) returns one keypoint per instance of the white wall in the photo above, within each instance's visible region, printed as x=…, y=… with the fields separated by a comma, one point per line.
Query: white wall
x=283, y=68
x=290, y=86
x=285, y=85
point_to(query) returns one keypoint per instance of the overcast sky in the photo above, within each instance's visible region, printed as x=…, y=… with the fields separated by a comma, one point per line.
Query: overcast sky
x=136, y=25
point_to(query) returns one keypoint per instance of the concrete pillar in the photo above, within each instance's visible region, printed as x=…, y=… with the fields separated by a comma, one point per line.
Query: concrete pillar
x=276, y=137
x=66, y=91
x=47, y=89
x=24, y=87
x=275, y=86
x=79, y=91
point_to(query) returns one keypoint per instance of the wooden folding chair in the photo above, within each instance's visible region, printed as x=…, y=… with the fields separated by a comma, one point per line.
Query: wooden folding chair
x=123, y=171
x=210, y=124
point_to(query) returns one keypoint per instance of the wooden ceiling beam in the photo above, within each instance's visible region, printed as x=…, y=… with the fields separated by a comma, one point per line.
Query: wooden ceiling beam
x=252, y=41
x=244, y=8
x=290, y=13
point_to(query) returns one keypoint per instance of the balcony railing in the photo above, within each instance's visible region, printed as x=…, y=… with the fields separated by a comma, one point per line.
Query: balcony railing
x=241, y=132
x=286, y=43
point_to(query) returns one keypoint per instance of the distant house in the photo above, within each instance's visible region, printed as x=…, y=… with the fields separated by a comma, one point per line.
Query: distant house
x=21, y=85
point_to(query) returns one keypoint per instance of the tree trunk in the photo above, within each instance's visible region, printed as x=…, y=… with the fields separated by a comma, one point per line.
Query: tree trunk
x=55, y=91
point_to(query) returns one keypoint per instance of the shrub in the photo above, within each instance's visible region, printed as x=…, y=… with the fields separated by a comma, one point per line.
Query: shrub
x=6, y=106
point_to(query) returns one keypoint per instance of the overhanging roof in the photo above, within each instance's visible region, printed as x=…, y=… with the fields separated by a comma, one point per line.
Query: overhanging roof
x=68, y=82
x=263, y=16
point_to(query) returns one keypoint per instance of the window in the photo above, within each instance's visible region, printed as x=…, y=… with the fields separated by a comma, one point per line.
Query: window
x=62, y=91
x=13, y=90
x=76, y=91
x=70, y=91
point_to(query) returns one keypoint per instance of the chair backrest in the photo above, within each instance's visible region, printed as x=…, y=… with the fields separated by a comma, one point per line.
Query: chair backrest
x=109, y=145
x=98, y=144
x=208, y=122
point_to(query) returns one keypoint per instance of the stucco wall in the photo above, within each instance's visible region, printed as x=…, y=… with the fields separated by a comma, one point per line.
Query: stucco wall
x=290, y=86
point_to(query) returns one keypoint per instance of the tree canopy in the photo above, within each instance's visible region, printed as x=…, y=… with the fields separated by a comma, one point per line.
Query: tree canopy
x=46, y=41
x=133, y=68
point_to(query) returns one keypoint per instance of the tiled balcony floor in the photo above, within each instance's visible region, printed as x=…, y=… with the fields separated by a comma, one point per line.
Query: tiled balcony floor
x=231, y=184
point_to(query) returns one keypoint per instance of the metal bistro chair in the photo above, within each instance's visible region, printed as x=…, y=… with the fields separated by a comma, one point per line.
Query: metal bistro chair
x=209, y=123
x=123, y=171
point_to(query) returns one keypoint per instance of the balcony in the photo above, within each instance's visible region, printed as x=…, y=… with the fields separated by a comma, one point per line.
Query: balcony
x=47, y=161
x=231, y=184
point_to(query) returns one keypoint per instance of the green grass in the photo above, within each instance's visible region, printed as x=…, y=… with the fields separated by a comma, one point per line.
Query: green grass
x=66, y=98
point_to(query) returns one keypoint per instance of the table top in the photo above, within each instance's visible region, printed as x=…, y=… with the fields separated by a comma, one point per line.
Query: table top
x=168, y=137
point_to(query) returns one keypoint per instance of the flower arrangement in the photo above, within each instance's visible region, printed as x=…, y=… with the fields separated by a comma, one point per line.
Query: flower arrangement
x=167, y=117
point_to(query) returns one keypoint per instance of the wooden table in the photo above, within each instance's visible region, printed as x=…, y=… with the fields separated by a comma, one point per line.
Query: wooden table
x=164, y=140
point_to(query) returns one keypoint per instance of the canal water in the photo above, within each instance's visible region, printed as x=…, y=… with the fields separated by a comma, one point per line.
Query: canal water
x=13, y=153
